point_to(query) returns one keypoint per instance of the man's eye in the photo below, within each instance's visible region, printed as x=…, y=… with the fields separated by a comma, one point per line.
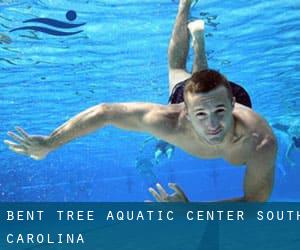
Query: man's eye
x=201, y=114
x=219, y=111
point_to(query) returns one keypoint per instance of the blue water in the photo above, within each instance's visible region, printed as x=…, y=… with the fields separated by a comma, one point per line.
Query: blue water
x=120, y=56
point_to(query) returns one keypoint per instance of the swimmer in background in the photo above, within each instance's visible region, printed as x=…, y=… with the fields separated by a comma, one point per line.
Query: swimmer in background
x=292, y=130
x=283, y=143
x=145, y=169
x=146, y=161
x=162, y=149
x=208, y=117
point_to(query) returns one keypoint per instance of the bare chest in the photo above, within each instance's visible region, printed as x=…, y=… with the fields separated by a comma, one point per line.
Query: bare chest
x=238, y=153
x=235, y=153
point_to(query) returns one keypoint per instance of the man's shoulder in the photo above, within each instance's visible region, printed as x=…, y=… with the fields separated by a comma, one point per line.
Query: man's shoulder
x=249, y=119
x=252, y=124
x=170, y=111
x=168, y=115
x=166, y=122
x=255, y=133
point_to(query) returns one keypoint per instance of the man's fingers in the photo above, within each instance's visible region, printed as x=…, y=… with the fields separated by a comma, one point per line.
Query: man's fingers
x=162, y=192
x=35, y=157
x=177, y=189
x=23, y=133
x=16, y=137
x=155, y=194
x=18, y=150
x=17, y=147
x=11, y=144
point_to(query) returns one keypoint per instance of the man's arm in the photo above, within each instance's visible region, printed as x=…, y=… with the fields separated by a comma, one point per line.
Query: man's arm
x=145, y=117
x=259, y=177
x=258, y=180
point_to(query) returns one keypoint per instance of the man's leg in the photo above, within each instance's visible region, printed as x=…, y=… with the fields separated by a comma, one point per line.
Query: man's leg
x=196, y=29
x=179, y=46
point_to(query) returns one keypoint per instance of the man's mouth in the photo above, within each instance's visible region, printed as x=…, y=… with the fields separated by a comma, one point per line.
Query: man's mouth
x=215, y=131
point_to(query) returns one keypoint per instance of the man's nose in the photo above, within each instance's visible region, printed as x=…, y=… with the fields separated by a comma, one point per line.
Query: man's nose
x=213, y=123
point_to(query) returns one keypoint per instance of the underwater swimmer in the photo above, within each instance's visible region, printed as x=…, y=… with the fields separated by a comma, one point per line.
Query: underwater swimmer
x=294, y=145
x=293, y=131
x=163, y=149
x=145, y=169
x=208, y=124
x=178, y=75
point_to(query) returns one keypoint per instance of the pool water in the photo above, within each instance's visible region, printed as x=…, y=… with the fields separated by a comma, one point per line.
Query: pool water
x=120, y=56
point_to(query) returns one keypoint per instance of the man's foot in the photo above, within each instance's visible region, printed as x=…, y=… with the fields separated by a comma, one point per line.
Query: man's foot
x=157, y=155
x=190, y=3
x=170, y=152
x=183, y=3
x=196, y=29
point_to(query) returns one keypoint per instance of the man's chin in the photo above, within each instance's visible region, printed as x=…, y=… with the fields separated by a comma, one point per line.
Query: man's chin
x=214, y=140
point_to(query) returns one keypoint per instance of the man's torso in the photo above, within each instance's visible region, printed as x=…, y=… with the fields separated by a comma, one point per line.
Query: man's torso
x=249, y=131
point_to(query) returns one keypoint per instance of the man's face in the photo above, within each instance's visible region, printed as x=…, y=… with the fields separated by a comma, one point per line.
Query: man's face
x=210, y=114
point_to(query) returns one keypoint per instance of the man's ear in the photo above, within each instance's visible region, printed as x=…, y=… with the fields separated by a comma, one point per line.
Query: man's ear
x=187, y=116
x=233, y=101
x=186, y=113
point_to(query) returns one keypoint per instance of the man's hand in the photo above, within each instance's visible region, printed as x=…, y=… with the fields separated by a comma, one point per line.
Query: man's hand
x=33, y=146
x=163, y=196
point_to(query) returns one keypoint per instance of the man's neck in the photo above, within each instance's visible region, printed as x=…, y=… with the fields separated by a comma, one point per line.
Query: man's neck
x=231, y=134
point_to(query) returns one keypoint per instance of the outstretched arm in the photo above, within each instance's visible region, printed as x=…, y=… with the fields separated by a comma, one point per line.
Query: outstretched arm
x=146, y=117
